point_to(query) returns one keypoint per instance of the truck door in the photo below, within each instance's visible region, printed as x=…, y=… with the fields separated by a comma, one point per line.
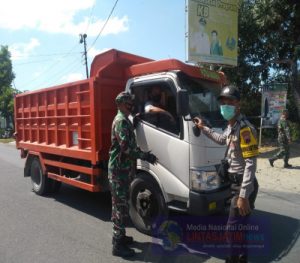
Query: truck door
x=161, y=131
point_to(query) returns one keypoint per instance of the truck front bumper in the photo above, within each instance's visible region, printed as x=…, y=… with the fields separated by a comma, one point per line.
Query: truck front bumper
x=208, y=203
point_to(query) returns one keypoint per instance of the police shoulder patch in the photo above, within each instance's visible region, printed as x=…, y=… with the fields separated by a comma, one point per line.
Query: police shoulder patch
x=248, y=143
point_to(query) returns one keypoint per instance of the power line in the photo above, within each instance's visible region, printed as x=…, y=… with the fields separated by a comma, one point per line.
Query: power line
x=31, y=62
x=54, y=78
x=68, y=53
x=50, y=67
x=38, y=61
x=51, y=78
x=90, y=17
x=46, y=55
x=74, y=68
x=112, y=10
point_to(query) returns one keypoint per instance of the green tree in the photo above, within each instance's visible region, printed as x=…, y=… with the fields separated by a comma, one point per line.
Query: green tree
x=6, y=73
x=7, y=104
x=269, y=37
x=6, y=90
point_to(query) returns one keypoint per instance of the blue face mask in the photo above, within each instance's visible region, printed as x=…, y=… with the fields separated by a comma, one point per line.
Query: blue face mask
x=227, y=111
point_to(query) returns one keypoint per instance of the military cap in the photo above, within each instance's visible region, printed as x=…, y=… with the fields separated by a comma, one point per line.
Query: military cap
x=230, y=92
x=123, y=97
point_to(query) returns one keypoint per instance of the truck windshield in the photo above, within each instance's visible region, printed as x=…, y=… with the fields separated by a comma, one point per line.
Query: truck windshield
x=203, y=99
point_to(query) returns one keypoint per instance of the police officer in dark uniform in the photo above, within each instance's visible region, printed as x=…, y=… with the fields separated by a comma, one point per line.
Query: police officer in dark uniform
x=121, y=168
x=241, y=139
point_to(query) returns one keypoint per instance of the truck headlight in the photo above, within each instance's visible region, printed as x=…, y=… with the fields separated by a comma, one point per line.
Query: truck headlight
x=204, y=179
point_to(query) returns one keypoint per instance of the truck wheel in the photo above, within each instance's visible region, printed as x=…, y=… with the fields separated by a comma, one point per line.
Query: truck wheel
x=40, y=183
x=147, y=204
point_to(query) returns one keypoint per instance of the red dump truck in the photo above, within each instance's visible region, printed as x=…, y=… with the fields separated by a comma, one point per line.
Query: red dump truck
x=64, y=134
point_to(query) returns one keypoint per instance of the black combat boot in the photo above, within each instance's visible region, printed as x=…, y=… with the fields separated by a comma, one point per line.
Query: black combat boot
x=121, y=250
x=287, y=165
x=272, y=160
x=126, y=240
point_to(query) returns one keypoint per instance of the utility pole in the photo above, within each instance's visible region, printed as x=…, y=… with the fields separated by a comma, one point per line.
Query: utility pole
x=83, y=40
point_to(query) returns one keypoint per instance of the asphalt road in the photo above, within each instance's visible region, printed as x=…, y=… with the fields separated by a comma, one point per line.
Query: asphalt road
x=73, y=226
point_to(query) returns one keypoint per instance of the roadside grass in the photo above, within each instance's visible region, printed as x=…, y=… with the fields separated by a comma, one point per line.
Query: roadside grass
x=6, y=140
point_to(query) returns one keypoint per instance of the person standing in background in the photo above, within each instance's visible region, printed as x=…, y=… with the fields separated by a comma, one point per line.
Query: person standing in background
x=284, y=140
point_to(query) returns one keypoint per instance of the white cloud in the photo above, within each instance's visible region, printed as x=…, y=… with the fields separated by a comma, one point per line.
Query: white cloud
x=114, y=26
x=56, y=16
x=72, y=77
x=93, y=52
x=36, y=74
x=23, y=50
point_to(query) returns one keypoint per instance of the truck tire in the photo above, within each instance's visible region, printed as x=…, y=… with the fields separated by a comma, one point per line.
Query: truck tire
x=147, y=204
x=40, y=183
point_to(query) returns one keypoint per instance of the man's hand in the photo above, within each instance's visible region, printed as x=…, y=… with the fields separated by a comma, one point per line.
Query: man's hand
x=243, y=206
x=199, y=123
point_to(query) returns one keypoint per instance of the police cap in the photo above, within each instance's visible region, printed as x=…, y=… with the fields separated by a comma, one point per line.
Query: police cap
x=123, y=97
x=230, y=92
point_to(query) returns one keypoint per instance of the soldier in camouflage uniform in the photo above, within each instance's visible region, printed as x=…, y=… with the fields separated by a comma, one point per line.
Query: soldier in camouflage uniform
x=284, y=139
x=122, y=161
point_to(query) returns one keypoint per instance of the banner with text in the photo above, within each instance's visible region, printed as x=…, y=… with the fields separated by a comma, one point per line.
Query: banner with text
x=212, y=31
x=212, y=235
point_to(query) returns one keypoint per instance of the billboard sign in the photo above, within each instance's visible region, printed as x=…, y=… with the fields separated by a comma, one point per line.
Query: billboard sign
x=212, y=31
x=273, y=102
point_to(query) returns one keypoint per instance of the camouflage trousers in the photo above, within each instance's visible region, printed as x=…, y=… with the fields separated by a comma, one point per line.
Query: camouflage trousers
x=119, y=187
x=284, y=152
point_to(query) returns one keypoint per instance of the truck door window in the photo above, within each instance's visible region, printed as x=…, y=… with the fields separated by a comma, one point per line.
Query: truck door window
x=156, y=105
x=203, y=99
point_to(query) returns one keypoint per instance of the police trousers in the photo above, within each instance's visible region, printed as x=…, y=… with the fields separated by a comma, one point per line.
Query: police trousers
x=235, y=220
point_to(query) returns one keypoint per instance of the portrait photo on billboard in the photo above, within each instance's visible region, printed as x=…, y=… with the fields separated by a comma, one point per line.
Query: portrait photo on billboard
x=212, y=35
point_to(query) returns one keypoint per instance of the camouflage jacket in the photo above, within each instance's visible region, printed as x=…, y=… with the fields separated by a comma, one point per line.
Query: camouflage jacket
x=123, y=151
x=283, y=131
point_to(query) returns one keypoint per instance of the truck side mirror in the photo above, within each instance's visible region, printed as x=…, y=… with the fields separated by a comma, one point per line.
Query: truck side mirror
x=182, y=103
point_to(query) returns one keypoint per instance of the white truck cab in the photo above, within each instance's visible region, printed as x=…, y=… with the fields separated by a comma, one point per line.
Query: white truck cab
x=185, y=178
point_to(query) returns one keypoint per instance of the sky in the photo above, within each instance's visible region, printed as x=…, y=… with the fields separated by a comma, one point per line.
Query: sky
x=43, y=35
